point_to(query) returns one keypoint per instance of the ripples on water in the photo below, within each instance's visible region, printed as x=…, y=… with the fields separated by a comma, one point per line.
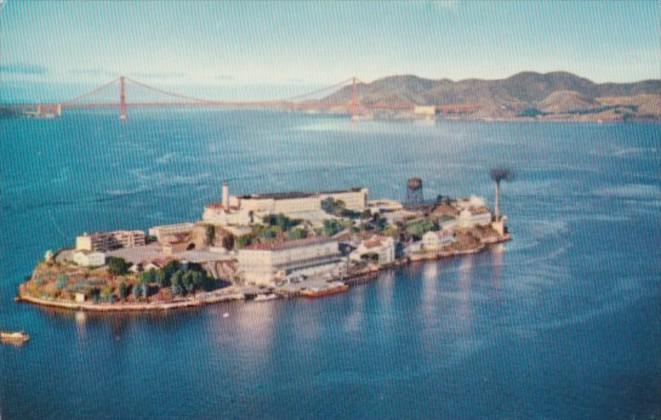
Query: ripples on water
x=562, y=322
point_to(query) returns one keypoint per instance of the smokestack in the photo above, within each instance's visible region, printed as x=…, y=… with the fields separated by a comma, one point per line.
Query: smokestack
x=226, y=196
x=497, y=175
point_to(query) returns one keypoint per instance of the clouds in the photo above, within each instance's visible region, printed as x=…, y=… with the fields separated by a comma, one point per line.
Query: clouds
x=23, y=69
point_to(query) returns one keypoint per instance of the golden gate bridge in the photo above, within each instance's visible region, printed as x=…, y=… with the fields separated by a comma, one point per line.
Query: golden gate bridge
x=115, y=94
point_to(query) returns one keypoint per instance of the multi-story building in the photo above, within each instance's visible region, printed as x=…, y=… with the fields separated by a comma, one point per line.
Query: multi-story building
x=105, y=241
x=265, y=264
x=247, y=209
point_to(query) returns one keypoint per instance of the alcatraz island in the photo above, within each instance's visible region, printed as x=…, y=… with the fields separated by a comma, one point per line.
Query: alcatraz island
x=264, y=246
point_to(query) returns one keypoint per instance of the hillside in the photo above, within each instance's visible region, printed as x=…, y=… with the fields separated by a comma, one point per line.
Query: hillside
x=556, y=95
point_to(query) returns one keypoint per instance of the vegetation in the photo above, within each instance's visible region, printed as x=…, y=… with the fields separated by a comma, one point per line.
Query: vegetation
x=117, y=266
x=103, y=285
x=419, y=227
x=338, y=208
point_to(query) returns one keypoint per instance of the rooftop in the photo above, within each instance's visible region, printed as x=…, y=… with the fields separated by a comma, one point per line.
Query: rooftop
x=296, y=194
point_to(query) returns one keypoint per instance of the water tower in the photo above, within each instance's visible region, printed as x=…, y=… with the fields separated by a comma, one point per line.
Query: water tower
x=414, y=191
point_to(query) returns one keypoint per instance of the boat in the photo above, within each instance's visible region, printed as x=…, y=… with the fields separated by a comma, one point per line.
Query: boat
x=14, y=337
x=332, y=289
x=264, y=298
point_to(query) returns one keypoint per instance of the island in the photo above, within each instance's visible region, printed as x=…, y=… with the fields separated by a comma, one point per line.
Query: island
x=264, y=246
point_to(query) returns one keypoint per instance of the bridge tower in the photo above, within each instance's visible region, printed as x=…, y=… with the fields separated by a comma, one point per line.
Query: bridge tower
x=122, y=99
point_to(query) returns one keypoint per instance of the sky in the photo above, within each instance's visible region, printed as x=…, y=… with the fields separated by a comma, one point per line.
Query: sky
x=303, y=44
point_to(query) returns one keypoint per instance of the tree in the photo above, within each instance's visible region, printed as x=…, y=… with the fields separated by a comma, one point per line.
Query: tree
x=419, y=228
x=117, y=266
x=106, y=293
x=94, y=294
x=243, y=241
x=123, y=290
x=189, y=281
x=169, y=269
x=148, y=276
x=177, y=283
x=137, y=291
x=329, y=205
x=297, y=233
x=331, y=227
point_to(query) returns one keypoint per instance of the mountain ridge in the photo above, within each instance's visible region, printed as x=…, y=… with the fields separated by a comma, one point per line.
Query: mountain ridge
x=525, y=94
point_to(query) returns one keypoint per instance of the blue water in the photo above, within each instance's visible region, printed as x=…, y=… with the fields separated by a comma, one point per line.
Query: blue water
x=564, y=324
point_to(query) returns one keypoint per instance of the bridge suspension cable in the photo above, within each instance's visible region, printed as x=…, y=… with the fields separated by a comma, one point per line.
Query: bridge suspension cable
x=91, y=93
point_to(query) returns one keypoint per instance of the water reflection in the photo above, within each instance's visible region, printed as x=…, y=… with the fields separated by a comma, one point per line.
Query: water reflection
x=464, y=308
x=385, y=289
x=430, y=284
x=248, y=328
x=496, y=254
x=354, y=320
x=81, y=319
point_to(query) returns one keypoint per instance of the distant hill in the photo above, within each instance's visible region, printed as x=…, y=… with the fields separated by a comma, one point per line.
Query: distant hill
x=556, y=95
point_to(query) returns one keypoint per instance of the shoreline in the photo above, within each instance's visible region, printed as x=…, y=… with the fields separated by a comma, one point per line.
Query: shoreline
x=226, y=295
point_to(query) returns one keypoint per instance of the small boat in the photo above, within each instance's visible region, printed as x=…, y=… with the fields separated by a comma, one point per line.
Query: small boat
x=14, y=337
x=325, y=291
x=264, y=298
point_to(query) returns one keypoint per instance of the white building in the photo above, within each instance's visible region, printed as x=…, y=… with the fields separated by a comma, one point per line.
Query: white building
x=264, y=264
x=469, y=218
x=425, y=110
x=472, y=202
x=381, y=246
x=247, y=209
x=89, y=258
x=433, y=241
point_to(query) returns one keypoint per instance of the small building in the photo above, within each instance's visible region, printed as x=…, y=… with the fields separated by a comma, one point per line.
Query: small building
x=425, y=110
x=433, y=241
x=79, y=297
x=380, y=247
x=89, y=258
x=265, y=264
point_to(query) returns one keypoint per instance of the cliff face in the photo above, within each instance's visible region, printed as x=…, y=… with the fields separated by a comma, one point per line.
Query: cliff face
x=556, y=95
